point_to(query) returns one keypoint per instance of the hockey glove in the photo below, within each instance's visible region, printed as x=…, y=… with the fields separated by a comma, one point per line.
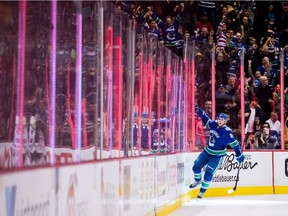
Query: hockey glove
x=240, y=158
x=198, y=111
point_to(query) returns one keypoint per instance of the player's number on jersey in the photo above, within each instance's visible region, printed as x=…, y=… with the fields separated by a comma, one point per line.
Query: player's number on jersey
x=211, y=141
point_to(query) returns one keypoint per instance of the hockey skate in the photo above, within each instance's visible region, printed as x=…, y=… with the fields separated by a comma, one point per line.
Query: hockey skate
x=194, y=184
x=200, y=195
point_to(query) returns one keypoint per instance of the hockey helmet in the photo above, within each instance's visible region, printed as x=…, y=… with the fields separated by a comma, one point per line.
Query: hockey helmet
x=223, y=116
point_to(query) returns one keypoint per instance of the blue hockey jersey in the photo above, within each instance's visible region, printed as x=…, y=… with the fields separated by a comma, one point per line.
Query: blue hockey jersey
x=220, y=137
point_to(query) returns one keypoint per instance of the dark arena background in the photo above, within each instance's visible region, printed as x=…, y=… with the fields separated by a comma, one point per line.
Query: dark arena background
x=97, y=112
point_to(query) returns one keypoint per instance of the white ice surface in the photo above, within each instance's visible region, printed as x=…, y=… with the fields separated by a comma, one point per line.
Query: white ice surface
x=260, y=205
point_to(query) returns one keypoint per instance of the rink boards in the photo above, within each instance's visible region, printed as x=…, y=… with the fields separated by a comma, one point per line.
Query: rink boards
x=134, y=186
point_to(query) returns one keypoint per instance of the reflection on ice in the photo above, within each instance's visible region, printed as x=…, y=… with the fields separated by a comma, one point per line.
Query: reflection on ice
x=264, y=205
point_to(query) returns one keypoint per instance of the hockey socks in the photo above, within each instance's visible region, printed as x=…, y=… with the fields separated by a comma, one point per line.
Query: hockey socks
x=203, y=189
x=197, y=177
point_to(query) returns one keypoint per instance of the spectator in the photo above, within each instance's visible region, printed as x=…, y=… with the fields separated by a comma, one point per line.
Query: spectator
x=275, y=125
x=204, y=22
x=203, y=36
x=172, y=37
x=264, y=140
x=232, y=85
x=265, y=97
x=245, y=12
x=248, y=92
x=239, y=44
x=222, y=65
x=187, y=36
x=259, y=27
x=245, y=28
x=251, y=43
x=269, y=43
x=249, y=141
x=252, y=54
x=231, y=108
x=208, y=108
x=283, y=24
x=257, y=79
x=233, y=105
x=271, y=17
x=277, y=101
x=153, y=33
x=266, y=70
x=253, y=117
x=234, y=58
x=131, y=8
x=145, y=131
x=211, y=39
x=232, y=33
x=230, y=16
x=210, y=8
x=221, y=39
x=221, y=98
x=201, y=67
x=190, y=16
x=249, y=84
x=229, y=38
x=272, y=50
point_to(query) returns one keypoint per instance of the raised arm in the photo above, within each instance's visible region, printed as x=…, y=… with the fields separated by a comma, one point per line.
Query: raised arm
x=159, y=22
x=202, y=114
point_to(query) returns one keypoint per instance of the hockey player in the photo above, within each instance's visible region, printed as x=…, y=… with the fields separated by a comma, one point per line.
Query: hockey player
x=212, y=156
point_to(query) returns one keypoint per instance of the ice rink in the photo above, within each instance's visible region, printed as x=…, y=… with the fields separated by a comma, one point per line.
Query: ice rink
x=264, y=205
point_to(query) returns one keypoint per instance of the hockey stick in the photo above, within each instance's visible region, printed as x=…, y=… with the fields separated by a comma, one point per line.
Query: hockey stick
x=230, y=191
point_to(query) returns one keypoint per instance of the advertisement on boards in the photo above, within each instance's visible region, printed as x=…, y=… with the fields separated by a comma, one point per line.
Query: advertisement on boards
x=76, y=190
x=256, y=170
x=130, y=184
x=28, y=193
x=281, y=169
x=146, y=186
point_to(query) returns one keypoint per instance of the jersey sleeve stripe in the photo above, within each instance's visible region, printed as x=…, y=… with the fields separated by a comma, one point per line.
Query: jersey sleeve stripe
x=234, y=143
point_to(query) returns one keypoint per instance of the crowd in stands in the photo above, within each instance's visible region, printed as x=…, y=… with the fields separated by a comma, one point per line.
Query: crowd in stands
x=257, y=28
x=36, y=84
